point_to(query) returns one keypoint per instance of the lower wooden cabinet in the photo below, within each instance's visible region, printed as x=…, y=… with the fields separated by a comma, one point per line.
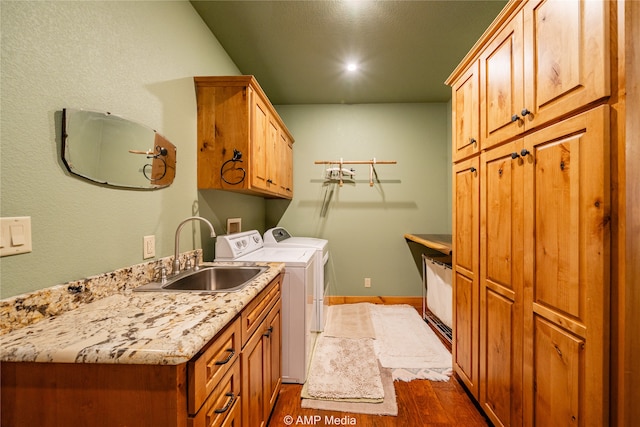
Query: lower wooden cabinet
x=233, y=381
x=261, y=364
x=222, y=401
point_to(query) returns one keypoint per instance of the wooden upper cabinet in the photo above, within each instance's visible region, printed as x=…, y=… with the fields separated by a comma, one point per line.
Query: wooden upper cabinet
x=235, y=116
x=466, y=112
x=501, y=90
x=549, y=60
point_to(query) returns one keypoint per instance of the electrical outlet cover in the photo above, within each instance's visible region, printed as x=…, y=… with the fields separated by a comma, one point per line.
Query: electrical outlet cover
x=148, y=247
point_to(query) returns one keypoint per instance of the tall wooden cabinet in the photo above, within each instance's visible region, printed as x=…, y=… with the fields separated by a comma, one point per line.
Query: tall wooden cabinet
x=531, y=309
x=466, y=278
x=235, y=116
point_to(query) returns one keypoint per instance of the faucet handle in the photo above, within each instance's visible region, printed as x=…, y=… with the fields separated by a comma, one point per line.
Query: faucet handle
x=188, y=264
x=196, y=263
x=163, y=273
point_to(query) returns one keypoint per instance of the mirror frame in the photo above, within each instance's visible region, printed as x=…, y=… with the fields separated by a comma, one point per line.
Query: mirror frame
x=159, y=170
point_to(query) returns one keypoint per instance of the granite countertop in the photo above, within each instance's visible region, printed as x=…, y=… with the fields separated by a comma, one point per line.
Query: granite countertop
x=163, y=328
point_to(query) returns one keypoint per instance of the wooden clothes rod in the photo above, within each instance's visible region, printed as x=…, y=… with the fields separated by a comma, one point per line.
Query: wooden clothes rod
x=371, y=164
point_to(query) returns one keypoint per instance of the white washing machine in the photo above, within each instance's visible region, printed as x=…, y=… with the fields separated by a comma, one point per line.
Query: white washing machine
x=297, y=294
x=279, y=237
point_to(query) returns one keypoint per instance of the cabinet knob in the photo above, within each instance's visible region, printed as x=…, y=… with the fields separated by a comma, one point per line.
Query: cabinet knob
x=472, y=169
x=524, y=112
x=268, y=333
x=515, y=155
x=473, y=141
x=269, y=181
x=514, y=118
x=524, y=152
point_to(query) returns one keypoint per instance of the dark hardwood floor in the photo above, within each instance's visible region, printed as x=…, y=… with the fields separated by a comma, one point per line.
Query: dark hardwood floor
x=421, y=403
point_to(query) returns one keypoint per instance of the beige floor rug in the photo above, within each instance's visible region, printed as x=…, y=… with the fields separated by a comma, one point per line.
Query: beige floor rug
x=349, y=321
x=388, y=406
x=344, y=368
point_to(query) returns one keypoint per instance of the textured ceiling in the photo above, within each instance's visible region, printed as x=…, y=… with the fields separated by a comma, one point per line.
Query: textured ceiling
x=298, y=50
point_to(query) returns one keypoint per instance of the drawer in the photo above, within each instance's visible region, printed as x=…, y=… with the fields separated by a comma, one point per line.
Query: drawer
x=223, y=405
x=211, y=364
x=255, y=312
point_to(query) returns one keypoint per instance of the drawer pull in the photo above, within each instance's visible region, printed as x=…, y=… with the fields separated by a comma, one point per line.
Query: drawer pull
x=224, y=362
x=228, y=405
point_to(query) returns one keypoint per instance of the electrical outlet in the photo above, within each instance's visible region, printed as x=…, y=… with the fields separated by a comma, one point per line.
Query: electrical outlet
x=367, y=282
x=148, y=247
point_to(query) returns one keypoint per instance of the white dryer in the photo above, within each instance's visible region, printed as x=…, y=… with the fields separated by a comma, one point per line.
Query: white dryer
x=297, y=294
x=280, y=238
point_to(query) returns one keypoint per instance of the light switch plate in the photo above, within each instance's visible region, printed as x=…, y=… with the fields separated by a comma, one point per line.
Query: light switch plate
x=148, y=247
x=15, y=235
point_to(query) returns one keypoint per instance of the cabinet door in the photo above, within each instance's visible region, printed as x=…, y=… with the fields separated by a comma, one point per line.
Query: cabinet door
x=566, y=61
x=273, y=352
x=501, y=90
x=466, y=295
x=285, y=166
x=466, y=114
x=260, y=137
x=273, y=157
x=567, y=209
x=253, y=375
x=501, y=284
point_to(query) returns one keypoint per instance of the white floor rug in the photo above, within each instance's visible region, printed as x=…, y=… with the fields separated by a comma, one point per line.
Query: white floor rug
x=405, y=343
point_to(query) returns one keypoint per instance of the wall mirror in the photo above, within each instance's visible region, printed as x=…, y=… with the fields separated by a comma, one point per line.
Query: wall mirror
x=112, y=150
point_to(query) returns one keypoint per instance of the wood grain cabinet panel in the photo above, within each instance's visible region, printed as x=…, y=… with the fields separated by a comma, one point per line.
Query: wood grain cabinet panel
x=501, y=283
x=235, y=115
x=568, y=210
x=466, y=275
x=501, y=90
x=550, y=59
x=206, y=370
x=261, y=369
x=466, y=114
x=542, y=265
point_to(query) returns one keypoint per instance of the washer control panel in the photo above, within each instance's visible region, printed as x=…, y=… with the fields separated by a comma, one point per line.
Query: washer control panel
x=276, y=235
x=232, y=246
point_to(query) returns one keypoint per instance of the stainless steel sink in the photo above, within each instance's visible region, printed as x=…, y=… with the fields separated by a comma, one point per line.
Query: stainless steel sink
x=207, y=279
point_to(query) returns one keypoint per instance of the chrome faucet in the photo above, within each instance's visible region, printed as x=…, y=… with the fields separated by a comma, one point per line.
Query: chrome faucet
x=176, y=260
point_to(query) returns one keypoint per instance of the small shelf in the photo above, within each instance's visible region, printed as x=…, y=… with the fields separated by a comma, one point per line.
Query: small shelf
x=438, y=242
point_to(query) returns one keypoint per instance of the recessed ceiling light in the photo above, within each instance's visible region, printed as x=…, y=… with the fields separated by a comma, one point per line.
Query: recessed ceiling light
x=352, y=67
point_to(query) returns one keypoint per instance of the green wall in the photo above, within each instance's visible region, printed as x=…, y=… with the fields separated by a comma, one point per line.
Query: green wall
x=138, y=59
x=135, y=59
x=365, y=225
